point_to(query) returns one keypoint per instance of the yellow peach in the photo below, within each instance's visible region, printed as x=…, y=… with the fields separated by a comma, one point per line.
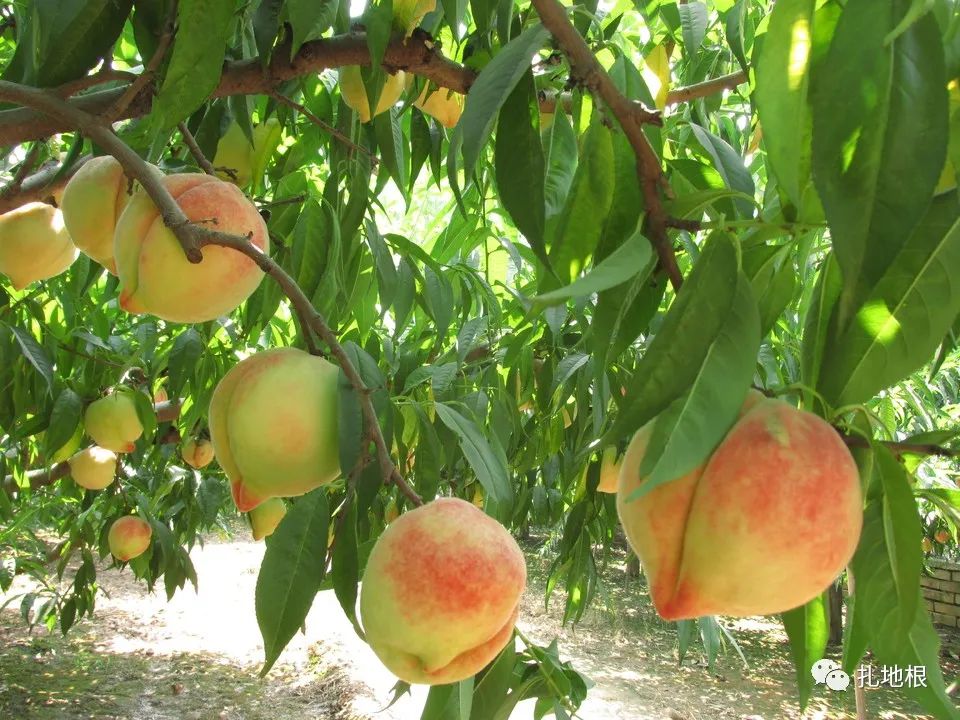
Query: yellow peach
x=441, y=592
x=442, y=104
x=273, y=422
x=265, y=517
x=112, y=421
x=609, y=471
x=197, y=453
x=34, y=244
x=155, y=275
x=129, y=537
x=354, y=91
x=93, y=468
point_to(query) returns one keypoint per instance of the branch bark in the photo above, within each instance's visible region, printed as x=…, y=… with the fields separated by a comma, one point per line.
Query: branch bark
x=591, y=74
x=706, y=88
x=40, y=186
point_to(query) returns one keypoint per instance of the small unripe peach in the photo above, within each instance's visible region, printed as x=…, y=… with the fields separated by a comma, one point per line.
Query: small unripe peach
x=246, y=161
x=197, y=453
x=129, y=537
x=160, y=395
x=354, y=92
x=69, y=447
x=274, y=425
x=92, y=201
x=155, y=275
x=265, y=517
x=93, y=468
x=441, y=592
x=926, y=544
x=113, y=423
x=34, y=244
x=609, y=471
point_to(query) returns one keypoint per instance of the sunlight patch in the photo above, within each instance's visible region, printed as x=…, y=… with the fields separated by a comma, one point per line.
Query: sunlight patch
x=879, y=322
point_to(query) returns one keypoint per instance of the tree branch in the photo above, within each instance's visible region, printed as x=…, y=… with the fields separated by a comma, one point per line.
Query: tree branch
x=195, y=151
x=706, y=88
x=588, y=70
x=40, y=186
x=900, y=448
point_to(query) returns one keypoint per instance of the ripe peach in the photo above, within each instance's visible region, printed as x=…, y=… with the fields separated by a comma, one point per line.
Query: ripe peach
x=265, y=517
x=942, y=536
x=712, y=541
x=609, y=471
x=93, y=468
x=441, y=592
x=92, y=201
x=34, y=244
x=197, y=453
x=155, y=275
x=926, y=544
x=112, y=421
x=129, y=537
x=442, y=104
x=354, y=92
x=273, y=423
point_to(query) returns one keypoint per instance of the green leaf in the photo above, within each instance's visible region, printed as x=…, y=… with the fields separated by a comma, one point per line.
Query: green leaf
x=349, y=424
x=488, y=94
x=560, y=146
x=291, y=572
x=876, y=159
x=773, y=285
x=266, y=25
x=187, y=349
x=690, y=428
x=309, y=19
x=345, y=564
x=34, y=353
x=203, y=28
x=808, y=628
x=486, y=458
x=519, y=163
x=65, y=417
x=394, y=150
x=574, y=233
x=904, y=317
x=692, y=326
x=730, y=166
x=630, y=259
x=826, y=291
x=694, y=19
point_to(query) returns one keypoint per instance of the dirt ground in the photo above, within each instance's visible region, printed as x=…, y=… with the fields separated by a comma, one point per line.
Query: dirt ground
x=198, y=656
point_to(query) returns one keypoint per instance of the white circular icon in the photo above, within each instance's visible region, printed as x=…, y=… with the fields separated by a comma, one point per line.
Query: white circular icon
x=821, y=668
x=837, y=680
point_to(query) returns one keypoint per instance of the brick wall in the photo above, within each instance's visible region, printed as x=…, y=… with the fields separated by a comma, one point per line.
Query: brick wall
x=941, y=588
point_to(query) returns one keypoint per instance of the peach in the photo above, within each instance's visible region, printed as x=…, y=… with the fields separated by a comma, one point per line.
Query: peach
x=442, y=104
x=34, y=244
x=273, y=423
x=197, y=453
x=942, y=537
x=407, y=14
x=391, y=512
x=246, y=160
x=92, y=201
x=441, y=592
x=265, y=517
x=112, y=421
x=155, y=275
x=93, y=468
x=354, y=92
x=713, y=543
x=69, y=447
x=609, y=471
x=129, y=537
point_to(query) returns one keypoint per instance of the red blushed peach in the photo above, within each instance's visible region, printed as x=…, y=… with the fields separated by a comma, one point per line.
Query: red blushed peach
x=274, y=426
x=155, y=275
x=441, y=592
x=129, y=537
x=766, y=525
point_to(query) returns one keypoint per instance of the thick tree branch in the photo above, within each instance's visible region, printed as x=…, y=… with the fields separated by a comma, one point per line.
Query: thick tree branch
x=40, y=186
x=194, y=237
x=588, y=70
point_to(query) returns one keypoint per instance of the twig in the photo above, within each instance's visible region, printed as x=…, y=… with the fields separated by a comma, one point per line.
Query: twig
x=193, y=237
x=706, y=88
x=133, y=90
x=899, y=448
x=307, y=336
x=25, y=167
x=283, y=201
x=586, y=66
x=89, y=81
x=191, y=143
x=40, y=185
x=283, y=99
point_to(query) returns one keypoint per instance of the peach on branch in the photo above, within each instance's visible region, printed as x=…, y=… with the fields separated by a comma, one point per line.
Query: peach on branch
x=609, y=471
x=265, y=517
x=197, y=453
x=444, y=105
x=69, y=447
x=407, y=14
x=441, y=592
x=713, y=543
x=92, y=201
x=129, y=537
x=155, y=275
x=354, y=92
x=34, y=244
x=112, y=421
x=246, y=160
x=93, y=468
x=273, y=423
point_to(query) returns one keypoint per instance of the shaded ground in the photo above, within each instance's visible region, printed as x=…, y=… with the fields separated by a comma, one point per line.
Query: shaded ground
x=197, y=657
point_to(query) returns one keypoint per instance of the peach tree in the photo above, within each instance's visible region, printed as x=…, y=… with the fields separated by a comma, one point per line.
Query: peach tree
x=346, y=268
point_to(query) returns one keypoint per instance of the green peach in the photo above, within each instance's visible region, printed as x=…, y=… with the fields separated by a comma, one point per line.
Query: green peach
x=93, y=468
x=112, y=421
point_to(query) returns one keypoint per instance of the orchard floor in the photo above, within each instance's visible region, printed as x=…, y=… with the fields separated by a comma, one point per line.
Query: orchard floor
x=197, y=657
